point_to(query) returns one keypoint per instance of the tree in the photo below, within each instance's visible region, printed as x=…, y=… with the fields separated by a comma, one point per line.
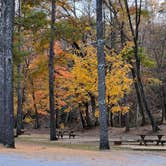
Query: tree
x=2, y=129
x=155, y=45
x=104, y=142
x=51, y=76
x=134, y=28
x=19, y=86
x=7, y=113
x=120, y=34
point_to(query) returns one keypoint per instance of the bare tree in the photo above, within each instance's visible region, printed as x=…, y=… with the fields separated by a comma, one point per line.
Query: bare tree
x=134, y=28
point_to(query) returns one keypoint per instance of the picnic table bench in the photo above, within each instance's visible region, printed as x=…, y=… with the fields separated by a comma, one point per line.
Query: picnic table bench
x=62, y=133
x=158, y=139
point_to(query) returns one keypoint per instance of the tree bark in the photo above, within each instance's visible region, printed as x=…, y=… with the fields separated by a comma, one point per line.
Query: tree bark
x=127, y=124
x=141, y=107
x=58, y=118
x=7, y=27
x=51, y=75
x=19, y=101
x=111, y=119
x=19, y=87
x=93, y=104
x=120, y=119
x=82, y=120
x=104, y=142
x=2, y=83
x=87, y=117
x=36, y=124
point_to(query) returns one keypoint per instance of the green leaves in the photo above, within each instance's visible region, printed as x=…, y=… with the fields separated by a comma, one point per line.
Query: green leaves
x=145, y=60
x=35, y=20
x=67, y=30
x=128, y=55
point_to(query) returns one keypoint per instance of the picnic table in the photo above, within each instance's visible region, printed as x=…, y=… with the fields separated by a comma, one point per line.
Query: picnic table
x=144, y=140
x=62, y=133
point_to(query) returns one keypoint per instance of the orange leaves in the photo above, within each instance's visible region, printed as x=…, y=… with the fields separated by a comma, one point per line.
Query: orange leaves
x=38, y=72
x=63, y=3
x=62, y=72
x=132, y=10
x=74, y=85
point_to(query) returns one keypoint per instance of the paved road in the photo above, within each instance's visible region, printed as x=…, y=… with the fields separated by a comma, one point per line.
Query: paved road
x=129, y=159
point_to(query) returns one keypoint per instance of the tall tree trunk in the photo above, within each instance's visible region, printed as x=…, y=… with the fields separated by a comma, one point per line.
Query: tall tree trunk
x=67, y=118
x=7, y=18
x=19, y=101
x=58, y=118
x=111, y=119
x=141, y=107
x=104, y=142
x=120, y=119
x=2, y=83
x=36, y=124
x=51, y=75
x=82, y=122
x=153, y=123
x=110, y=114
x=127, y=124
x=93, y=104
x=19, y=87
x=87, y=117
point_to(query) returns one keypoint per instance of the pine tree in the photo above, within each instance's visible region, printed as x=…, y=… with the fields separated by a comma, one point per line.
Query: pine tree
x=51, y=76
x=6, y=86
x=104, y=142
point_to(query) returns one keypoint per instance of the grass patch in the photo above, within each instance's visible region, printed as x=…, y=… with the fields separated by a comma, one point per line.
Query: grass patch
x=46, y=142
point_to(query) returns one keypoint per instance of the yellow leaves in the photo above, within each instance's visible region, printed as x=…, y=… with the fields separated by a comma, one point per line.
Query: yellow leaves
x=116, y=109
x=122, y=109
x=88, y=28
x=97, y=113
x=84, y=72
x=62, y=126
x=125, y=109
x=74, y=85
x=85, y=78
x=118, y=82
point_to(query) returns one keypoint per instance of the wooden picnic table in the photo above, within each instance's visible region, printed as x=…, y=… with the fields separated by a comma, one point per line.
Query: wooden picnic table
x=61, y=133
x=158, y=141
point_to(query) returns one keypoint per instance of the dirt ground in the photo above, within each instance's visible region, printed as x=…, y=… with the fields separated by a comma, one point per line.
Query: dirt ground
x=34, y=148
x=47, y=156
